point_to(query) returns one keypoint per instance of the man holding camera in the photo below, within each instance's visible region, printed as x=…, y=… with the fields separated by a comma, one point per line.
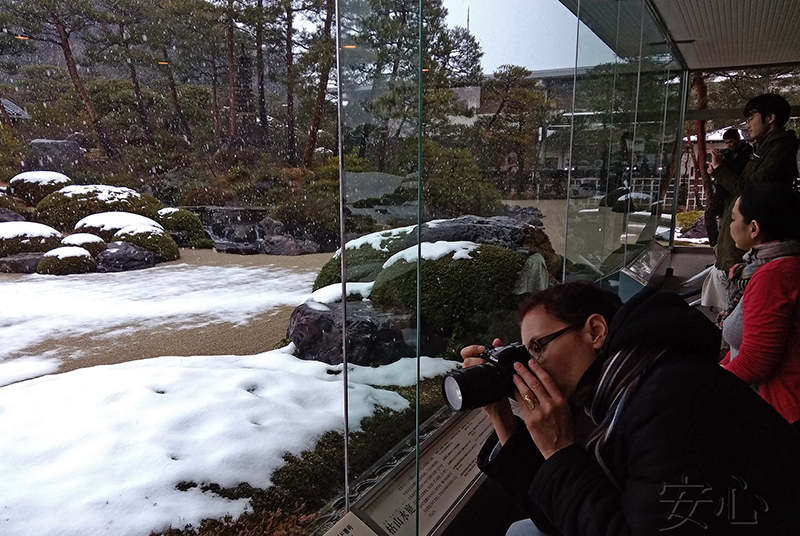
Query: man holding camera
x=735, y=156
x=627, y=425
x=774, y=159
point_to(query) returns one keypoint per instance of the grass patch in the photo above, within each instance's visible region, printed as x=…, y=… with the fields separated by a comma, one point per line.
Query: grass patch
x=685, y=220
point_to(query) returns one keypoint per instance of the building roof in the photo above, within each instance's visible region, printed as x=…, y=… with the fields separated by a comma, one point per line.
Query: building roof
x=704, y=34
x=14, y=111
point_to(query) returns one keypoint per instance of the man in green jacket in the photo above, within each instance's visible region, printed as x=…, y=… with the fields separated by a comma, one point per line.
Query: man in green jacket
x=774, y=159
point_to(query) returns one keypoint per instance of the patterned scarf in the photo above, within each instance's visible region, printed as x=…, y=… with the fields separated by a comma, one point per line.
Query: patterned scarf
x=619, y=381
x=754, y=259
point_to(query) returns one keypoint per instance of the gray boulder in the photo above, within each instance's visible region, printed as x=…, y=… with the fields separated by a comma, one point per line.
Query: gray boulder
x=497, y=231
x=373, y=338
x=56, y=155
x=287, y=245
x=124, y=256
x=9, y=215
x=20, y=263
x=236, y=248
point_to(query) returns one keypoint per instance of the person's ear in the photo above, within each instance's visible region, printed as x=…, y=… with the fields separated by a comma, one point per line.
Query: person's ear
x=596, y=328
x=768, y=119
x=755, y=229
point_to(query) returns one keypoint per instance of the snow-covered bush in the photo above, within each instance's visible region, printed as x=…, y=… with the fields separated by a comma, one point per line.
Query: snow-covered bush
x=152, y=238
x=64, y=208
x=90, y=242
x=67, y=260
x=33, y=186
x=106, y=224
x=25, y=236
x=180, y=219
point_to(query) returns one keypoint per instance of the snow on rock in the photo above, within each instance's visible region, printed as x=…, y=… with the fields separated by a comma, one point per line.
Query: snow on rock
x=140, y=228
x=167, y=210
x=78, y=239
x=434, y=250
x=101, y=191
x=68, y=251
x=41, y=177
x=110, y=221
x=17, y=229
x=333, y=293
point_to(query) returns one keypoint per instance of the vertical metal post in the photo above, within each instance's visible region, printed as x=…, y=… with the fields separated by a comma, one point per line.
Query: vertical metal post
x=342, y=256
x=677, y=179
x=571, y=137
x=420, y=131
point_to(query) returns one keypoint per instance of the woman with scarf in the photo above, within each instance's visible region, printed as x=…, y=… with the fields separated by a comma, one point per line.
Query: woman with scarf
x=627, y=425
x=763, y=329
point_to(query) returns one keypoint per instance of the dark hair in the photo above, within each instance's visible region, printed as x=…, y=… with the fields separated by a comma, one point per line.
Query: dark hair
x=573, y=303
x=769, y=103
x=776, y=208
x=731, y=134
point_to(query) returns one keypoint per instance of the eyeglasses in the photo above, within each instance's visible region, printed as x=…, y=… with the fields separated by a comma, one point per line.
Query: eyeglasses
x=536, y=347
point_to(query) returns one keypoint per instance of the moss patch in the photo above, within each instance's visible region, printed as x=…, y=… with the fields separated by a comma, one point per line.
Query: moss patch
x=32, y=191
x=155, y=240
x=28, y=243
x=185, y=220
x=63, y=210
x=685, y=220
x=78, y=264
x=363, y=262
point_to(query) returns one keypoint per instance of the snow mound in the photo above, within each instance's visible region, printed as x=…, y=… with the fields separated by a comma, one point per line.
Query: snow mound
x=114, y=221
x=18, y=229
x=40, y=177
x=101, y=191
x=68, y=251
x=79, y=239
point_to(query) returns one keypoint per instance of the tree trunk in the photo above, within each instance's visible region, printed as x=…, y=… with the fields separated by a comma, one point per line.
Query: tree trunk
x=215, y=101
x=175, y=101
x=291, y=136
x=231, y=78
x=105, y=140
x=322, y=87
x=262, y=102
x=137, y=90
x=700, y=126
x=697, y=202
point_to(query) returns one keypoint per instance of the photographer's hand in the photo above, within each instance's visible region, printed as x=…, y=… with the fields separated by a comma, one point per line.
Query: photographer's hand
x=550, y=421
x=716, y=158
x=499, y=413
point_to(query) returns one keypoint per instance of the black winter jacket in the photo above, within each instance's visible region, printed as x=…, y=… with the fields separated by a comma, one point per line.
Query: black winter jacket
x=694, y=451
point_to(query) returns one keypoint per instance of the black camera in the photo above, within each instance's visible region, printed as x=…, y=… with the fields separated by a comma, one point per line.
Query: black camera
x=474, y=387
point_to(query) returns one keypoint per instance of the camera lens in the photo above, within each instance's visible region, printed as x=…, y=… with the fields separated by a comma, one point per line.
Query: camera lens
x=475, y=387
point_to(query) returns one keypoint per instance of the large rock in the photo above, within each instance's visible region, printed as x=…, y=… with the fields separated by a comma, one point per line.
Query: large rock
x=57, y=155
x=287, y=245
x=21, y=263
x=123, y=256
x=497, y=231
x=373, y=338
x=9, y=215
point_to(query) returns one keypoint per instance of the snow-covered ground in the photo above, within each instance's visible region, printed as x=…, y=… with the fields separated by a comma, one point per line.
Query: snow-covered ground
x=100, y=450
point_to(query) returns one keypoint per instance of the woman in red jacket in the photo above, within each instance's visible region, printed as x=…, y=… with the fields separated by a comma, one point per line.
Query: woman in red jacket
x=763, y=330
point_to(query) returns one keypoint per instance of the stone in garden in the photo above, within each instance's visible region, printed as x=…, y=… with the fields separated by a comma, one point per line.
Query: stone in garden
x=373, y=338
x=9, y=215
x=123, y=256
x=107, y=224
x=185, y=227
x=530, y=215
x=287, y=245
x=33, y=186
x=26, y=236
x=496, y=230
x=66, y=207
x=91, y=243
x=67, y=260
x=153, y=238
x=236, y=248
x=57, y=154
x=20, y=263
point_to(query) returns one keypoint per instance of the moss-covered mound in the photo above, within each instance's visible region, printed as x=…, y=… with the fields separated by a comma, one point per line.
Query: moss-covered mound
x=33, y=186
x=66, y=207
x=464, y=300
x=106, y=224
x=91, y=243
x=152, y=238
x=10, y=203
x=364, y=257
x=67, y=260
x=179, y=219
x=25, y=236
